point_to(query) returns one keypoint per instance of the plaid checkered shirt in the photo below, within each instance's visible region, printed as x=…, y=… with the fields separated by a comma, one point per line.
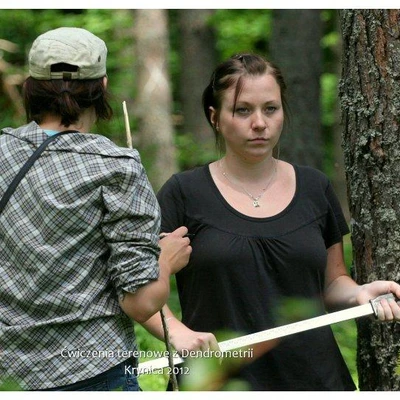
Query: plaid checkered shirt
x=79, y=231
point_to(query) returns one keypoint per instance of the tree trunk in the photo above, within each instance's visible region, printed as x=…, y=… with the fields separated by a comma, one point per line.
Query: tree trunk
x=197, y=62
x=370, y=103
x=295, y=48
x=154, y=99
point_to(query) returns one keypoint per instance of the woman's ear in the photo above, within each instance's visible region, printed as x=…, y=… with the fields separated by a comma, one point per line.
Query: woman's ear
x=105, y=81
x=214, y=118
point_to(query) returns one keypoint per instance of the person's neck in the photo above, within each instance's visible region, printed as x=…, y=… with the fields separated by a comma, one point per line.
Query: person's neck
x=248, y=172
x=53, y=122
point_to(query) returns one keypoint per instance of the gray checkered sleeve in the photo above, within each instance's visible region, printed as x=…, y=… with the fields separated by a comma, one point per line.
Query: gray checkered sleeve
x=130, y=222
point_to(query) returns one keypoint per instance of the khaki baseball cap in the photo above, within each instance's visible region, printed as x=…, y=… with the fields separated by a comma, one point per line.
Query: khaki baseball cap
x=73, y=46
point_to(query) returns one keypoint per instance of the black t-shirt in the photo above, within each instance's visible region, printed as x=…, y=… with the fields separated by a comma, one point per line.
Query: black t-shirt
x=243, y=270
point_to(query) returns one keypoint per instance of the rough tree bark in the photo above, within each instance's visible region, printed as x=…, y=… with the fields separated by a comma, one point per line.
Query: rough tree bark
x=295, y=48
x=153, y=104
x=370, y=103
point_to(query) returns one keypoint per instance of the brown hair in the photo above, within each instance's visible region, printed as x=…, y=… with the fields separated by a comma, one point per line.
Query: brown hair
x=65, y=98
x=230, y=73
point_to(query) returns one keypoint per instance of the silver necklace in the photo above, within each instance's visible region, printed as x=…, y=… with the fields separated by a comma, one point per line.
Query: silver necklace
x=255, y=199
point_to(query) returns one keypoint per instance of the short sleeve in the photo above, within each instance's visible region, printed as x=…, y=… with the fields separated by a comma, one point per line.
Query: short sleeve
x=171, y=201
x=336, y=226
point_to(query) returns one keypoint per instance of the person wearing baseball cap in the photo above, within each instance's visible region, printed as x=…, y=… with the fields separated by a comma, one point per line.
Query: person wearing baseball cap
x=76, y=47
x=80, y=256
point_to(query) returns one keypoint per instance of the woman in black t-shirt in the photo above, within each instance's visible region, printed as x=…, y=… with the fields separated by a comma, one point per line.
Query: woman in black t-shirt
x=266, y=233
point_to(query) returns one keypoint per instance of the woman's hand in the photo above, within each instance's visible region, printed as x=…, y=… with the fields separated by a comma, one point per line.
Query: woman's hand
x=388, y=310
x=183, y=338
x=175, y=250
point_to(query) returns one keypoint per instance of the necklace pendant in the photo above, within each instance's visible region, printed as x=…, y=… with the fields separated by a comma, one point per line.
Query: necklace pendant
x=256, y=203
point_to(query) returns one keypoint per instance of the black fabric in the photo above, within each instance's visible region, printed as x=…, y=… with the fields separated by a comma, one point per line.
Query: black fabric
x=243, y=270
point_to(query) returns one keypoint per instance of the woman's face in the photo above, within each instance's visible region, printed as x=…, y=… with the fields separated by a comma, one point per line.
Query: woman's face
x=252, y=128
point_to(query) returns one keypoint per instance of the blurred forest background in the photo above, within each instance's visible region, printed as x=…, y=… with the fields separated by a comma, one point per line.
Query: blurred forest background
x=160, y=61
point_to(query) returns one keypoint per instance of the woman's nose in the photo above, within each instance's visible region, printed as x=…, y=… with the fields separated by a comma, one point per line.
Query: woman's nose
x=259, y=122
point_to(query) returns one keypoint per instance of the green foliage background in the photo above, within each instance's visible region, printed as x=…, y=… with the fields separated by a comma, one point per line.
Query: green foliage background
x=236, y=30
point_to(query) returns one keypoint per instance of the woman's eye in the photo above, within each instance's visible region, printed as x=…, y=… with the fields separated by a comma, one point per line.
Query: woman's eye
x=242, y=110
x=270, y=110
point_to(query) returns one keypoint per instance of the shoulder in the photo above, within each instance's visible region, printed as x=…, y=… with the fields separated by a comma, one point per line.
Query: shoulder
x=189, y=178
x=316, y=185
x=195, y=172
x=310, y=172
x=311, y=177
x=89, y=143
x=80, y=143
x=185, y=185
